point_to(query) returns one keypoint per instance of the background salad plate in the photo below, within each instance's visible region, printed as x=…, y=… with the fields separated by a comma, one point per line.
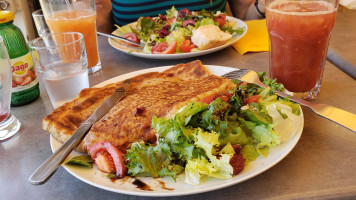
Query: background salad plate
x=137, y=51
x=158, y=187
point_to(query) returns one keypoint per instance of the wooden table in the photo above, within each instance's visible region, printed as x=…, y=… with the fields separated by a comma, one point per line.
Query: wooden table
x=321, y=166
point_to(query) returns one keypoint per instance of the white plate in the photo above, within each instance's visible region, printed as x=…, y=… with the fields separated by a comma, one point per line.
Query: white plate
x=136, y=51
x=98, y=179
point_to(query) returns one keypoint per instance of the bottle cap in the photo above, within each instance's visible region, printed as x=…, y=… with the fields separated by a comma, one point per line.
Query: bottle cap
x=6, y=16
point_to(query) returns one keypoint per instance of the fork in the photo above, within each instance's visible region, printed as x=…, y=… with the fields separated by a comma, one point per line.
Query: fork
x=344, y=118
x=121, y=38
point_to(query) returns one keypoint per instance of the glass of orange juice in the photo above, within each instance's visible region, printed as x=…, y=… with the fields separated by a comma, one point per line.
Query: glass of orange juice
x=75, y=16
x=299, y=33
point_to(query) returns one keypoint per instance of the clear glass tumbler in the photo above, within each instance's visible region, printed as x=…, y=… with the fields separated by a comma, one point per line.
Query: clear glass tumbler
x=40, y=22
x=62, y=64
x=299, y=33
x=9, y=125
x=75, y=16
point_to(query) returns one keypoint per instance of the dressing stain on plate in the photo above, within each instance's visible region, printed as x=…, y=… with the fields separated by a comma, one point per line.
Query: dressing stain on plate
x=141, y=185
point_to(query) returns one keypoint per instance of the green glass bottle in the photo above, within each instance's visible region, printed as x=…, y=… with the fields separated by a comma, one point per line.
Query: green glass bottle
x=25, y=87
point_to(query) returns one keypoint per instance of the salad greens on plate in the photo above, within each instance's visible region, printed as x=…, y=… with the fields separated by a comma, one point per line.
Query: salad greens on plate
x=171, y=33
x=217, y=136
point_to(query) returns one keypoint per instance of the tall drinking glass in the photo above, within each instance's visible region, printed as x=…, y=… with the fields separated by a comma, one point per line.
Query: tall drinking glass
x=62, y=65
x=75, y=16
x=9, y=125
x=299, y=33
x=40, y=22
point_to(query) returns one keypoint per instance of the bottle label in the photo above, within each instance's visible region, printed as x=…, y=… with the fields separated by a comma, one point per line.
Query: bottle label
x=23, y=73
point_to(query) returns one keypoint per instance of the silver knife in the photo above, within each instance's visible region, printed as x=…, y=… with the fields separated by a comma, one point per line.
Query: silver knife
x=44, y=172
x=342, y=117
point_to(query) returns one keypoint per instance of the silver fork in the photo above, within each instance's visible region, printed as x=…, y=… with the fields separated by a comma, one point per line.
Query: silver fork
x=121, y=38
x=344, y=118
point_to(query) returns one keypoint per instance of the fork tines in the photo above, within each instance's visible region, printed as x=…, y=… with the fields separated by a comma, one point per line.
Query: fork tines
x=235, y=74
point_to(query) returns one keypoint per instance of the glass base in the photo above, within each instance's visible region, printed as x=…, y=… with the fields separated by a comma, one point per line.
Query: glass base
x=9, y=127
x=94, y=69
x=310, y=95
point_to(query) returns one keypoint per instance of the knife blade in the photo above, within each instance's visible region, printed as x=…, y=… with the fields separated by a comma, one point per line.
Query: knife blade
x=47, y=169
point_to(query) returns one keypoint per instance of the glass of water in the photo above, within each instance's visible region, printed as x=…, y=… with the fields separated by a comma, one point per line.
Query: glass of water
x=9, y=125
x=40, y=23
x=62, y=64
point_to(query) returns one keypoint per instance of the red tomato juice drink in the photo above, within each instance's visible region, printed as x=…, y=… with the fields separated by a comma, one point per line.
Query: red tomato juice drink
x=82, y=21
x=299, y=33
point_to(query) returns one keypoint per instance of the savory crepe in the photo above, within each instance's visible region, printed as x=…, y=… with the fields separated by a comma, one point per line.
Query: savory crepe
x=156, y=93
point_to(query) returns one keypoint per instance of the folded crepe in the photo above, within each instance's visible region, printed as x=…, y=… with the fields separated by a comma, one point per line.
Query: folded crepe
x=159, y=94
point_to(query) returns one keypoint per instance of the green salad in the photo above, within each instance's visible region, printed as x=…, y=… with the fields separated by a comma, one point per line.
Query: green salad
x=172, y=32
x=218, y=136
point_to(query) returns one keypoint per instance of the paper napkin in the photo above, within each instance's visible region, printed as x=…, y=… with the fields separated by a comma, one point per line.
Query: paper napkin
x=350, y=4
x=256, y=38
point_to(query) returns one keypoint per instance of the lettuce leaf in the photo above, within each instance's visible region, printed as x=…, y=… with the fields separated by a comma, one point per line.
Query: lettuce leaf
x=249, y=152
x=213, y=166
x=263, y=135
x=205, y=21
x=172, y=12
x=146, y=24
x=185, y=114
x=286, y=119
x=173, y=134
x=153, y=160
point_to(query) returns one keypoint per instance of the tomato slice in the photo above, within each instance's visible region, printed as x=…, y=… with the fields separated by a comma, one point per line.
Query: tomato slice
x=225, y=96
x=163, y=48
x=117, y=156
x=171, y=20
x=150, y=19
x=132, y=37
x=252, y=99
x=171, y=49
x=221, y=19
x=187, y=46
x=159, y=48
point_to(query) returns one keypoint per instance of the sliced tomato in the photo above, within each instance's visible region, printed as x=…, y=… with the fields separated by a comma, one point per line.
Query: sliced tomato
x=238, y=163
x=171, y=49
x=163, y=48
x=171, y=20
x=187, y=46
x=252, y=99
x=225, y=96
x=221, y=19
x=132, y=37
x=150, y=19
x=159, y=48
x=243, y=83
x=97, y=148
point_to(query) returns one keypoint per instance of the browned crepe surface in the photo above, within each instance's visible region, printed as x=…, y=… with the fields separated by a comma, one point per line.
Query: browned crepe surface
x=161, y=94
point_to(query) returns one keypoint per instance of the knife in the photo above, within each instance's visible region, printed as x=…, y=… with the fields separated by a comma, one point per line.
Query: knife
x=47, y=169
